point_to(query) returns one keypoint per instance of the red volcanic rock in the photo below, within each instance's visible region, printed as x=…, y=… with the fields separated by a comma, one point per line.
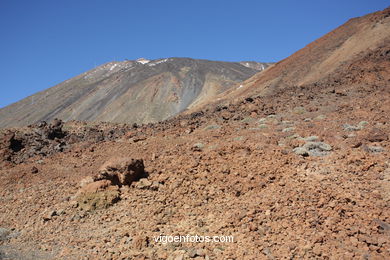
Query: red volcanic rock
x=377, y=135
x=122, y=171
x=95, y=186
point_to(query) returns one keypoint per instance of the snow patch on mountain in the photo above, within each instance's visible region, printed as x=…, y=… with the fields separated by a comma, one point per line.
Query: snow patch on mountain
x=157, y=62
x=142, y=61
x=113, y=66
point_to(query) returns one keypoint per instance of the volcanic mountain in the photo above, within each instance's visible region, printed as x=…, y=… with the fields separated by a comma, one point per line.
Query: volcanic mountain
x=140, y=91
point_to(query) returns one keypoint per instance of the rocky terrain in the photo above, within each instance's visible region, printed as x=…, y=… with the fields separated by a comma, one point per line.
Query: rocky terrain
x=298, y=170
x=140, y=91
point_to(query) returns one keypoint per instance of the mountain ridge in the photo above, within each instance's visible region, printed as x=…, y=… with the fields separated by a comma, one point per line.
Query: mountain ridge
x=153, y=90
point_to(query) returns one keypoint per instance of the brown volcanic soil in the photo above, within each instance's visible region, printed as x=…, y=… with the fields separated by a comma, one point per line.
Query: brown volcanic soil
x=226, y=170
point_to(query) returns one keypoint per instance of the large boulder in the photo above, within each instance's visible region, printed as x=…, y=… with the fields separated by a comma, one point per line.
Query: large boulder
x=97, y=195
x=122, y=171
x=101, y=191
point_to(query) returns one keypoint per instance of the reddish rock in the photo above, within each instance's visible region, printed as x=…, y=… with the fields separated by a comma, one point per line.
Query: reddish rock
x=95, y=186
x=140, y=242
x=34, y=169
x=377, y=135
x=122, y=171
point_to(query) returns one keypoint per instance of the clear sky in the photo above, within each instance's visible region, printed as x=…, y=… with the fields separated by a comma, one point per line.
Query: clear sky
x=46, y=42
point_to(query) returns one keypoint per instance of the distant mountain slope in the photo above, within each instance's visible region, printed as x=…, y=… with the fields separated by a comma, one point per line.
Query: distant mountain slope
x=337, y=51
x=138, y=91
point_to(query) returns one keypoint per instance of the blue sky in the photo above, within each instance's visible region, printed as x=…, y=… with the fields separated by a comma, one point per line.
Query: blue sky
x=46, y=42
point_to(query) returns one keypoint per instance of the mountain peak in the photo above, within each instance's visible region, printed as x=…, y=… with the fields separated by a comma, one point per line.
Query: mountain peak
x=130, y=91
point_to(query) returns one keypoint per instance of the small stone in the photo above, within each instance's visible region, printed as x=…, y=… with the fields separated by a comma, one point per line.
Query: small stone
x=144, y=183
x=348, y=127
x=155, y=185
x=49, y=215
x=252, y=227
x=354, y=241
x=140, y=242
x=197, y=147
x=311, y=138
x=324, y=146
x=377, y=135
x=356, y=144
x=317, y=249
x=247, y=120
x=374, y=149
x=4, y=233
x=34, y=170
x=288, y=129
x=320, y=117
x=179, y=257
x=362, y=124
x=212, y=127
x=299, y=110
x=238, y=138
x=192, y=253
x=301, y=151
x=307, y=247
x=294, y=136
x=268, y=253
x=200, y=252
x=317, y=148
x=225, y=170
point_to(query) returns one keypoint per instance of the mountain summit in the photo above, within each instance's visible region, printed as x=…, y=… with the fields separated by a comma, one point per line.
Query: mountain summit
x=139, y=91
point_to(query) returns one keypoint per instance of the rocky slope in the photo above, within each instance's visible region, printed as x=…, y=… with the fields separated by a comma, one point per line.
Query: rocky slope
x=298, y=172
x=319, y=60
x=139, y=91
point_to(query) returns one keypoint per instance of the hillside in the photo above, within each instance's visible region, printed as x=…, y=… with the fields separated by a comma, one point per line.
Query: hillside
x=139, y=91
x=336, y=51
